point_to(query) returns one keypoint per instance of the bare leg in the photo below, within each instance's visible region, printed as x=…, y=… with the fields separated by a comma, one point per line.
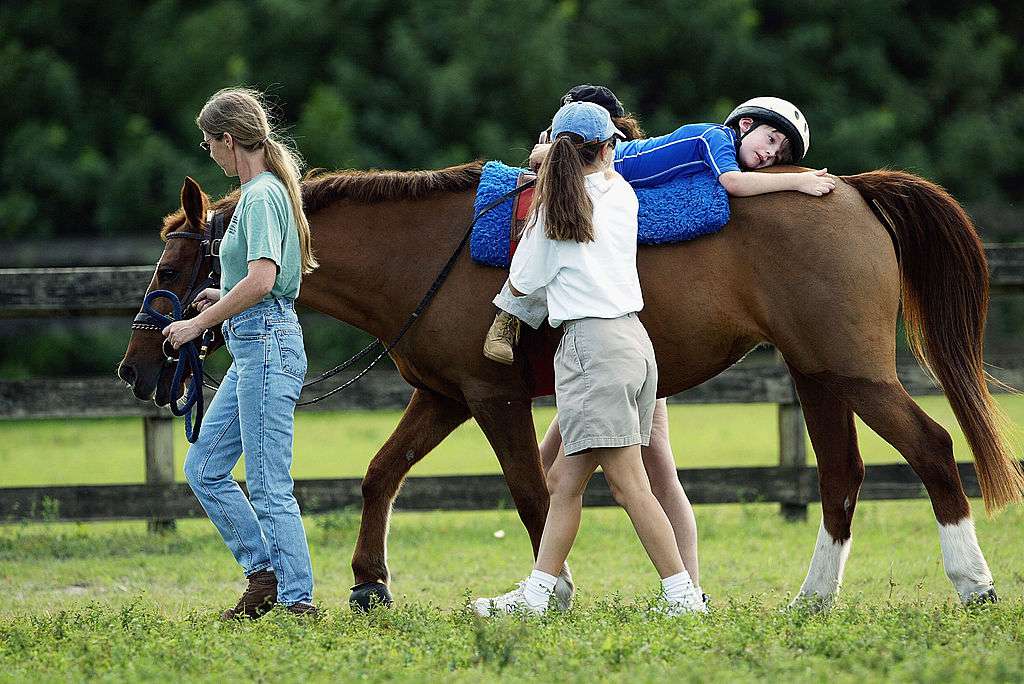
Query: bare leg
x=659, y=462
x=628, y=481
x=566, y=480
x=622, y=467
x=551, y=445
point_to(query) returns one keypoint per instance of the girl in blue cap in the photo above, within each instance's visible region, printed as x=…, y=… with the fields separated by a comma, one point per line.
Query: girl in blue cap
x=580, y=247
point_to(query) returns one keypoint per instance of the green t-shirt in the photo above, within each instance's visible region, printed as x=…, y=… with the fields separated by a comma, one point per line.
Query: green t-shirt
x=262, y=227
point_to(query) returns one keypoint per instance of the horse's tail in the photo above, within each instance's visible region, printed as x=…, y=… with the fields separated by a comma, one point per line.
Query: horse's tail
x=945, y=302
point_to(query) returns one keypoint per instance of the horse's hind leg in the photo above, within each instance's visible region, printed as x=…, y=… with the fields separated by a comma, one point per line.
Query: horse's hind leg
x=427, y=420
x=888, y=410
x=840, y=473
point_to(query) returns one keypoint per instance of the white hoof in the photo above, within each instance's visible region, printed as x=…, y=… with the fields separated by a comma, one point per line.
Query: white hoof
x=812, y=603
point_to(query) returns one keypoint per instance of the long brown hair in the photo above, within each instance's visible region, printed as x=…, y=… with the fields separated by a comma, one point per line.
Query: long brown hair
x=561, y=189
x=630, y=126
x=241, y=112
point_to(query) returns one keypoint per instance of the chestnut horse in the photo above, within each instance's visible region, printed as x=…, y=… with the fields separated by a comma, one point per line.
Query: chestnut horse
x=822, y=279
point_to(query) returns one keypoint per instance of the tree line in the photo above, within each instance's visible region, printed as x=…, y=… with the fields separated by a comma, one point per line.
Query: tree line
x=100, y=98
x=100, y=101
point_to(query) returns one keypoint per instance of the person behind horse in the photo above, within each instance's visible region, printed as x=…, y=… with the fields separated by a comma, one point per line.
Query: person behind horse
x=265, y=251
x=580, y=246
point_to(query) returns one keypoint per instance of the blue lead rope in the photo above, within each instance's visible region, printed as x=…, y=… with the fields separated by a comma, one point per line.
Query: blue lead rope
x=188, y=357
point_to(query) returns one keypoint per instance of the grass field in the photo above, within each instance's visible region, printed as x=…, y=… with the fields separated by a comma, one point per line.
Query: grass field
x=108, y=601
x=340, y=444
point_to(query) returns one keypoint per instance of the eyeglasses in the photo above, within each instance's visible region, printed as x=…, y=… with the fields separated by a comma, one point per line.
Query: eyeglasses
x=205, y=144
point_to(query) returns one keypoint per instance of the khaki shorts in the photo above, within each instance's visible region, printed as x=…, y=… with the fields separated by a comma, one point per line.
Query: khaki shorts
x=606, y=382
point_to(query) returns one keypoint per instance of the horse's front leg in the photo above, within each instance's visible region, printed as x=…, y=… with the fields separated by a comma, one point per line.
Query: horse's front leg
x=427, y=420
x=508, y=426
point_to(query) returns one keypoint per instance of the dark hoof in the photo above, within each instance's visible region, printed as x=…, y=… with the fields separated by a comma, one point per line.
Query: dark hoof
x=369, y=595
x=987, y=596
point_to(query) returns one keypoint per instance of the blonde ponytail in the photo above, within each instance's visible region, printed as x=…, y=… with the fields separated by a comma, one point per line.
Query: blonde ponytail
x=285, y=163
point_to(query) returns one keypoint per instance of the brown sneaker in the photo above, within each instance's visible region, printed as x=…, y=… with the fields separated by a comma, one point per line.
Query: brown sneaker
x=259, y=597
x=501, y=337
x=305, y=610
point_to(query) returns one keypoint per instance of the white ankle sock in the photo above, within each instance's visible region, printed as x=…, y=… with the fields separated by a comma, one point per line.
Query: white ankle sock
x=538, y=589
x=677, y=586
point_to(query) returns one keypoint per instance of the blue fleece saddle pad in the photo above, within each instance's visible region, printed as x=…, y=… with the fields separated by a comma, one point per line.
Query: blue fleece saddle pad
x=680, y=209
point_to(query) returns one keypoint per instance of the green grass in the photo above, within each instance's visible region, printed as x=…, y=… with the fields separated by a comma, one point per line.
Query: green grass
x=108, y=601
x=340, y=444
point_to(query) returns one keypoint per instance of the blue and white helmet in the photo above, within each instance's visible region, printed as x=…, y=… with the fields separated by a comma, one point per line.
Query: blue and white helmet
x=783, y=115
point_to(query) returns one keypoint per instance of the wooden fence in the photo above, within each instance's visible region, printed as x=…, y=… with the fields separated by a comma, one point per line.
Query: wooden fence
x=27, y=293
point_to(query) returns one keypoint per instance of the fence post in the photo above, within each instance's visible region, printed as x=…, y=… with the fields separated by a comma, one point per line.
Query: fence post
x=793, y=453
x=159, y=435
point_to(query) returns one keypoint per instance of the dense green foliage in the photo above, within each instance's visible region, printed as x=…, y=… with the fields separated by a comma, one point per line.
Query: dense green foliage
x=109, y=602
x=100, y=98
x=100, y=102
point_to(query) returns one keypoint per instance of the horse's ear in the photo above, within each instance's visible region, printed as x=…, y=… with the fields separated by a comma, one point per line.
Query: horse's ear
x=193, y=202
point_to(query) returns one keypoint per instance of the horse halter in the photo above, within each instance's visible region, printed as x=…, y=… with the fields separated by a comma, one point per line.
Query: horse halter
x=189, y=357
x=209, y=243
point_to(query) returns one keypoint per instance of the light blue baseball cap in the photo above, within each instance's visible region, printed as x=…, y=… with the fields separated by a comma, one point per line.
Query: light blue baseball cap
x=590, y=121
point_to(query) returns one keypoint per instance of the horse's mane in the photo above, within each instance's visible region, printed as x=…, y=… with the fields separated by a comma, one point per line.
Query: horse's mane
x=322, y=188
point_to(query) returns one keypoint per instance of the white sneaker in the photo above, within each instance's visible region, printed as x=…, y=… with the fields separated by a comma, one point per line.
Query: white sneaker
x=690, y=602
x=512, y=602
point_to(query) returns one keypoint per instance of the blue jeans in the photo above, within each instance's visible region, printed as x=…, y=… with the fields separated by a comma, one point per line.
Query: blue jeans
x=253, y=413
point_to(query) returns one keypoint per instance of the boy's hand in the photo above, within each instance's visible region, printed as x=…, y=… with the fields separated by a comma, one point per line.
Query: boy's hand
x=816, y=183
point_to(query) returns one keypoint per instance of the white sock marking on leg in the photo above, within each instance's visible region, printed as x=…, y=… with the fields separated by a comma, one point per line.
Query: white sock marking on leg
x=825, y=574
x=961, y=556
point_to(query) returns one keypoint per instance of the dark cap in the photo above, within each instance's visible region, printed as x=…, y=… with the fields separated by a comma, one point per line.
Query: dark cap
x=598, y=95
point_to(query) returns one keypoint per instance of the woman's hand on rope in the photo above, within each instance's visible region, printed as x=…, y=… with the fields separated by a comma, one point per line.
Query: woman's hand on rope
x=207, y=298
x=180, y=332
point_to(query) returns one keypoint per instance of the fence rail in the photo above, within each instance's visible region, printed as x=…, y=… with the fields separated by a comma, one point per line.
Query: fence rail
x=450, y=493
x=30, y=293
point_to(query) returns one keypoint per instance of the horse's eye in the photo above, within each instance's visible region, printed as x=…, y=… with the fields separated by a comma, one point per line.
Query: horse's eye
x=164, y=273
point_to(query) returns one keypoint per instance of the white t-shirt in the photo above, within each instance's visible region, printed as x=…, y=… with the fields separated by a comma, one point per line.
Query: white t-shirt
x=586, y=280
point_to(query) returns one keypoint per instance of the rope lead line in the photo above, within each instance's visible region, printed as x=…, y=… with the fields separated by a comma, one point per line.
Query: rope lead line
x=188, y=357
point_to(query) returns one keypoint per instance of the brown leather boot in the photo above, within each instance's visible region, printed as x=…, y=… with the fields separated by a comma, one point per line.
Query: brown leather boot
x=501, y=337
x=304, y=610
x=257, y=600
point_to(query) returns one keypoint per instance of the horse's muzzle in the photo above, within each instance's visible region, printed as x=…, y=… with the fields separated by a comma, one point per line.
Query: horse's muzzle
x=143, y=388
